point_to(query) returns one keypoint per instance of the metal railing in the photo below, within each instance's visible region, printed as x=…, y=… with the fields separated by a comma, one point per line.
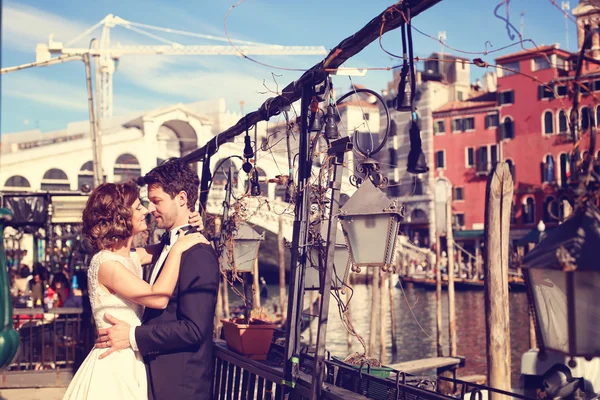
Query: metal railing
x=50, y=340
x=237, y=377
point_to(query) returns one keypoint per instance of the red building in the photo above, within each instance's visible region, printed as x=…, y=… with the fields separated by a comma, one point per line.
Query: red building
x=524, y=123
x=465, y=148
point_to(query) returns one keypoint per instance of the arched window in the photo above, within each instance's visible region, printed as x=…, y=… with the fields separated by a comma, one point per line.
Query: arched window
x=17, y=182
x=548, y=123
x=417, y=216
x=86, y=176
x=127, y=167
x=597, y=114
x=597, y=163
x=529, y=211
x=562, y=122
x=565, y=169
x=587, y=119
x=550, y=209
x=548, y=169
x=55, y=179
x=507, y=130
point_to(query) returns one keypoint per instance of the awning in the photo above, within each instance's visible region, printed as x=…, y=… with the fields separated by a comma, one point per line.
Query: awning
x=470, y=234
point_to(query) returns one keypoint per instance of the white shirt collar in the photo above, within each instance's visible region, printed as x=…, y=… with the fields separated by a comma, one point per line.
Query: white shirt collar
x=173, y=233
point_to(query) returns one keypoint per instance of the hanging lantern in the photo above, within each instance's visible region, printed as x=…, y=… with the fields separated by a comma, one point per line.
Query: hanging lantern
x=370, y=221
x=245, y=244
x=315, y=268
x=562, y=274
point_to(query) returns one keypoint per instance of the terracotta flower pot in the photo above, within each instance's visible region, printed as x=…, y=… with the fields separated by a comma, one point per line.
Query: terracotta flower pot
x=250, y=339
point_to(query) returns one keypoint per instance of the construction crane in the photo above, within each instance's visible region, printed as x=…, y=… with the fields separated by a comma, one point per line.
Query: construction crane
x=108, y=55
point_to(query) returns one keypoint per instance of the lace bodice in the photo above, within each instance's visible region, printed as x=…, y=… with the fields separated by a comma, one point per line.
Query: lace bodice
x=114, y=304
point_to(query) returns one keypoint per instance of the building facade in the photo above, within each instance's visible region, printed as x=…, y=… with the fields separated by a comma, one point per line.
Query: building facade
x=524, y=122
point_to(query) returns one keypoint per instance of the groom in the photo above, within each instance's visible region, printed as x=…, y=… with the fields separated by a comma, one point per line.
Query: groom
x=176, y=342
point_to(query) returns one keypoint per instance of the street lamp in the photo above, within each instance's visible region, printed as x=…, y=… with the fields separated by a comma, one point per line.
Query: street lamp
x=562, y=274
x=370, y=222
x=244, y=242
x=315, y=268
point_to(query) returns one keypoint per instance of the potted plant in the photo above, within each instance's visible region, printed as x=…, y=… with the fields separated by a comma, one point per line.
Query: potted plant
x=249, y=336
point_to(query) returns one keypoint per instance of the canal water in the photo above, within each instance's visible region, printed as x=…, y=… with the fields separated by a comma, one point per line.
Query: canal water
x=415, y=311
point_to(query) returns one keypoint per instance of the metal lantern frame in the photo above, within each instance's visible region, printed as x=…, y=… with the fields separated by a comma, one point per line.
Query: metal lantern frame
x=369, y=201
x=570, y=252
x=317, y=257
x=230, y=252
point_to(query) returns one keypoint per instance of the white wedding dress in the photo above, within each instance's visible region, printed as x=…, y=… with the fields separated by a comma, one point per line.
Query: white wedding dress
x=121, y=375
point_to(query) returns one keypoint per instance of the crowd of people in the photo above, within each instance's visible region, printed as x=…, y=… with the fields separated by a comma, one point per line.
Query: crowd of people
x=38, y=287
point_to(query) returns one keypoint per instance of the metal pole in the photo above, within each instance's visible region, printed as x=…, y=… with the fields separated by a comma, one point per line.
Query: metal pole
x=299, y=241
x=98, y=170
x=334, y=204
x=281, y=249
x=93, y=125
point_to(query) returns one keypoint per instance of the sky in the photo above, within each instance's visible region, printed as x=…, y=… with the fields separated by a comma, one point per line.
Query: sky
x=48, y=98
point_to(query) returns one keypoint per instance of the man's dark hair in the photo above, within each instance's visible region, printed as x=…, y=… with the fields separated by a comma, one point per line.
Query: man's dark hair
x=175, y=176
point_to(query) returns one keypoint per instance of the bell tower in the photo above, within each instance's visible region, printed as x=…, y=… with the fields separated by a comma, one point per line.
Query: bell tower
x=587, y=14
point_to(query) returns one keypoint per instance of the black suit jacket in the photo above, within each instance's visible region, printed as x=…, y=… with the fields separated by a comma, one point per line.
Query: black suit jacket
x=176, y=342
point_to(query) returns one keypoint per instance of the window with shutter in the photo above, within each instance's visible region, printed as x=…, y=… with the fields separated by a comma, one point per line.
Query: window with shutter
x=439, y=159
x=507, y=131
x=562, y=121
x=470, y=161
x=491, y=121
x=482, y=159
x=468, y=124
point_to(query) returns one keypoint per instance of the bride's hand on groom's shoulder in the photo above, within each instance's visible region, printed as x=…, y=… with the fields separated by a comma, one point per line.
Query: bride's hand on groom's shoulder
x=187, y=241
x=196, y=221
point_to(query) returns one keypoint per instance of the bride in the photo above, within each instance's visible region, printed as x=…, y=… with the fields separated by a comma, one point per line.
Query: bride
x=112, y=216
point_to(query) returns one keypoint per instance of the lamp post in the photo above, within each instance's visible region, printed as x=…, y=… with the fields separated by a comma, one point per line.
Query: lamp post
x=562, y=274
x=8, y=336
x=370, y=222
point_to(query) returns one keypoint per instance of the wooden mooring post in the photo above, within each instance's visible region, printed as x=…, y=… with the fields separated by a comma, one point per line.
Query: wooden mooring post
x=438, y=296
x=255, y=286
x=499, y=192
x=374, y=308
x=451, y=297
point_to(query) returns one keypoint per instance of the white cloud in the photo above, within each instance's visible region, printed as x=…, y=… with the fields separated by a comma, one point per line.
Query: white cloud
x=44, y=91
x=25, y=26
x=172, y=78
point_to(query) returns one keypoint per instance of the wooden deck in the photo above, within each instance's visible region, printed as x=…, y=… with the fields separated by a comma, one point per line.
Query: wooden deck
x=425, y=364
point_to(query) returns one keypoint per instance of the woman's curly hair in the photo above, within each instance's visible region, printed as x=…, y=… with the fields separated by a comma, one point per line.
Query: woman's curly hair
x=107, y=215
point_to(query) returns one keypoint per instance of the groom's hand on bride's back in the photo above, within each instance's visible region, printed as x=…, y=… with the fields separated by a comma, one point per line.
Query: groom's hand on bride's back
x=114, y=338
